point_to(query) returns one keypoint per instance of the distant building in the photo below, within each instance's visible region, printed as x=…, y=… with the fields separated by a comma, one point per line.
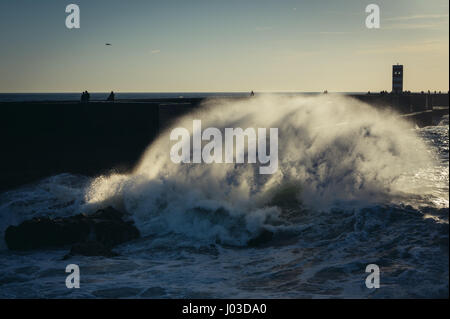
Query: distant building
x=397, y=79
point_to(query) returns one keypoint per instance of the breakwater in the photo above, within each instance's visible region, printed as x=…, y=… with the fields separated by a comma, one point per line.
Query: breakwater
x=40, y=139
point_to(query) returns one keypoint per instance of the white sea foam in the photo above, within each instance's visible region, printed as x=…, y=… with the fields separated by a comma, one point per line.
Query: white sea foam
x=333, y=149
x=338, y=156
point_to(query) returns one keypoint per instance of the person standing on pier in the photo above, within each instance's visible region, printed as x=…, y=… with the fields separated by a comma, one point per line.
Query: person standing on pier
x=111, y=97
x=85, y=97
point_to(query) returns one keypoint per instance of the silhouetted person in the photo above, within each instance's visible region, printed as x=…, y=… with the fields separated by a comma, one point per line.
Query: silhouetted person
x=111, y=97
x=252, y=93
x=84, y=97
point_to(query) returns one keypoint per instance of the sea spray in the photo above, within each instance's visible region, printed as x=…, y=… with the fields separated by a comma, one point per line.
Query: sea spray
x=335, y=149
x=212, y=151
x=318, y=248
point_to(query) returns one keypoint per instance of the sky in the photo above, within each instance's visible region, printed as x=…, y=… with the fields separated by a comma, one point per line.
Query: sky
x=222, y=46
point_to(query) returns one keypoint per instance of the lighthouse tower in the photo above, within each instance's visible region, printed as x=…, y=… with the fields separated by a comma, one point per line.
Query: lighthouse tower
x=397, y=79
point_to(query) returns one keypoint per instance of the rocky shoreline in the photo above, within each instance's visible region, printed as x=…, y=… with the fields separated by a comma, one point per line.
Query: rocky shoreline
x=88, y=235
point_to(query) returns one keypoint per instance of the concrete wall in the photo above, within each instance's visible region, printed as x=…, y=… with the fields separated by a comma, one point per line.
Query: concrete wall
x=405, y=103
x=42, y=139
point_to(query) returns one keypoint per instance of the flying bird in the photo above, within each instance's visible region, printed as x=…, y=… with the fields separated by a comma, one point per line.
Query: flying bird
x=108, y=44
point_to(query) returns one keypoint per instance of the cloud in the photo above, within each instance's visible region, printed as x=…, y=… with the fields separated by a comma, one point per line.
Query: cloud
x=435, y=46
x=418, y=21
x=411, y=26
x=418, y=16
x=155, y=51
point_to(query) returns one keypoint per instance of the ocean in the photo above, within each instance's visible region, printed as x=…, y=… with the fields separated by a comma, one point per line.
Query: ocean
x=102, y=96
x=355, y=188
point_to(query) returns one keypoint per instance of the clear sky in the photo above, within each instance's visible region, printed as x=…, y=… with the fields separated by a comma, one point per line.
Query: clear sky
x=222, y=45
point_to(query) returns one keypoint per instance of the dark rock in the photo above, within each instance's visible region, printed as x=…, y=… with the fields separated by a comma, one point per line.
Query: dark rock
x=286, y=196
x=45, y=232
x=106, y=227
x=263, y=238
x=90, y=248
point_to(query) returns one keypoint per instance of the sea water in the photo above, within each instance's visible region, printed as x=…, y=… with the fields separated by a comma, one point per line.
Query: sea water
x=355, y=186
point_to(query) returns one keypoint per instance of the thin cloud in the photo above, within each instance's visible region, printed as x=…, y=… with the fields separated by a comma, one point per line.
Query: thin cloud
x=418, y=21
x=418, y=17
x=155, y=51
x=415, y=26
x=436, y=46
x=406, y=26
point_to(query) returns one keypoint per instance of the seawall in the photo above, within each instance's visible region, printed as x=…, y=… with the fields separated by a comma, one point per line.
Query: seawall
x=41, y=139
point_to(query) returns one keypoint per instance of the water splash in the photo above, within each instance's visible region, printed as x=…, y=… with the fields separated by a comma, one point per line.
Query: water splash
x=333, y=149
